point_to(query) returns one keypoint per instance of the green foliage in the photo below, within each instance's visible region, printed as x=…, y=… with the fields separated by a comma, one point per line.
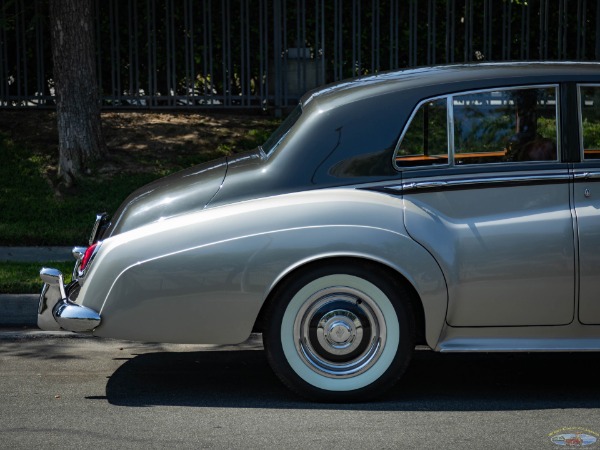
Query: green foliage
x=23, y=278
x=591, y=134
x=479, y=130
x=434, y=137
x=590, y=97
x=34, y=214
x=546, y=127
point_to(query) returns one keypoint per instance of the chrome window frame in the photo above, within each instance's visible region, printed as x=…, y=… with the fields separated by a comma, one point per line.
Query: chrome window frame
x=450, y=124
x=450, y=129
x=580, y=119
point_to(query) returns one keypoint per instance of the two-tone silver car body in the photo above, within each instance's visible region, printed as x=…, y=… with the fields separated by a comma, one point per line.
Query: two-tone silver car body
x=494, y=248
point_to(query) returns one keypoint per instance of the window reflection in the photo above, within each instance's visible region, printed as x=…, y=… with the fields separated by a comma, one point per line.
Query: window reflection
x=426, y=139
x=505, y=126
x=590, y=121
x=498, y=126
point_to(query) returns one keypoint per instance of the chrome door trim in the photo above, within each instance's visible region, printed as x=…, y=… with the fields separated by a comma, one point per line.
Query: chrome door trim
x=580, y=176
x=472, y=183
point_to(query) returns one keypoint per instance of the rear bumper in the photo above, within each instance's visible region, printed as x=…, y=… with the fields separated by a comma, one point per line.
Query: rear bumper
x=57, y=310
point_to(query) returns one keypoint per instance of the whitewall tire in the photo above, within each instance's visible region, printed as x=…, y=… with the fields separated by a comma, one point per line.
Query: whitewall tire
x=340, y=332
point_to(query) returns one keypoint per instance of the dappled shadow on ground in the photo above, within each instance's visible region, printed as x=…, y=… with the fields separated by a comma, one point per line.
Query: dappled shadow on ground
x=38, y=345
x=434, y=382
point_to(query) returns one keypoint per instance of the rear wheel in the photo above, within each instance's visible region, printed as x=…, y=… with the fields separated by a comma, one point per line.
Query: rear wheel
x=341, y=332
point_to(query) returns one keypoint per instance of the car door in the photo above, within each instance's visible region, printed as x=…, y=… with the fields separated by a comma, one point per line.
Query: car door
x=586, y=194
x=486, y=193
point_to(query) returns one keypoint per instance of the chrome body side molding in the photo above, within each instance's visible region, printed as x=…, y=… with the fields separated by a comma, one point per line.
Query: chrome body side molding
x=481, y=182
x=572, y=337
x=587, y=176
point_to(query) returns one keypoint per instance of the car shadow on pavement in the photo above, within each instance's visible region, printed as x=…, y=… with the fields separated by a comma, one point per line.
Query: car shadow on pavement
x=434, y=382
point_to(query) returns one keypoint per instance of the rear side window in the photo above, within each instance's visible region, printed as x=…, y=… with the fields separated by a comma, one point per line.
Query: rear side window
x=426, y=139
x=495, y=126
x=589, y=100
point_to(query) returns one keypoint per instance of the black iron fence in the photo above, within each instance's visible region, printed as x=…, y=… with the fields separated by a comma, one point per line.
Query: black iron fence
x=267, y=53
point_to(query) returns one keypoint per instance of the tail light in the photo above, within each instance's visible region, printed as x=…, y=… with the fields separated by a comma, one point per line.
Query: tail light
x=87, y=256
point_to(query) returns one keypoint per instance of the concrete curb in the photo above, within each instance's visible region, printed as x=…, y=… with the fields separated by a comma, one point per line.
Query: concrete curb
x=18, y=309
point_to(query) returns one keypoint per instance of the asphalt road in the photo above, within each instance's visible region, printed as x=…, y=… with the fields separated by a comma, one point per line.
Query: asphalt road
x=66, y=392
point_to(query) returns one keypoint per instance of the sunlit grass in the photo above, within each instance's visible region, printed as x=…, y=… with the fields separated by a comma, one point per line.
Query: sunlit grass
x=24, y=278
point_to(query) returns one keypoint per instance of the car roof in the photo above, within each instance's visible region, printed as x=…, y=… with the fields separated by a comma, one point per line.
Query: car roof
x=440, y=80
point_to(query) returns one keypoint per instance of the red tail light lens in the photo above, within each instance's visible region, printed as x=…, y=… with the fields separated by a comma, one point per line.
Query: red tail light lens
x=87, y=256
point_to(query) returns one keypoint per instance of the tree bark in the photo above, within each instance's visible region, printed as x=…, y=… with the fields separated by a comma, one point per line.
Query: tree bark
x=77, y=99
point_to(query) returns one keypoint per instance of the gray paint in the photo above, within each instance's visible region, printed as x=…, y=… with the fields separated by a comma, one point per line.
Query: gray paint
x=183, y=192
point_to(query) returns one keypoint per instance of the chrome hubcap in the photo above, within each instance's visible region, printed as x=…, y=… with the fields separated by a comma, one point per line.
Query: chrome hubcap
x=339, y=332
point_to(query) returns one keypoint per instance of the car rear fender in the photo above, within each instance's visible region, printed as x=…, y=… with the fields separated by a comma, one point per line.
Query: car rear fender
x=203, y=278
x=402, y=255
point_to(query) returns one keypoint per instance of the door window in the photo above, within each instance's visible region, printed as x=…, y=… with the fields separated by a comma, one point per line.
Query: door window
x=589, y=100
x=505, y=126
x=495, y=126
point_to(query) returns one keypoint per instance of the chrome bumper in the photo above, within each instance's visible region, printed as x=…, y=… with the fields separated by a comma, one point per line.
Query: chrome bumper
x=56, y=311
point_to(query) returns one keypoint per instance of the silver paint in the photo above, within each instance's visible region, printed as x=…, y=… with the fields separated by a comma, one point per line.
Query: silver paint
x=501, y=258
x=174, y=281
x=506, y=252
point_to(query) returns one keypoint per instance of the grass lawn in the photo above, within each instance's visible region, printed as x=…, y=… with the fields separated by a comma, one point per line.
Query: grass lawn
x=23, y=278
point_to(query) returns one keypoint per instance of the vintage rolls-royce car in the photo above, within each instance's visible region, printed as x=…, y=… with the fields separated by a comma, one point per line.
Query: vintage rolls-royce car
x=456, y=206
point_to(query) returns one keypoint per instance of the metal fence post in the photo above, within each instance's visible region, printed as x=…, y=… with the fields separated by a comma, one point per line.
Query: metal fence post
x=264, y=54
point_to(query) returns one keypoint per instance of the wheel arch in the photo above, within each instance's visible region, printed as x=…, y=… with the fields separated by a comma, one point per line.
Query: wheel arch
x=373, y=264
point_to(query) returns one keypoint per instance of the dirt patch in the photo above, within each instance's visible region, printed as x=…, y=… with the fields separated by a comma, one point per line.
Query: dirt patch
x=140, y=142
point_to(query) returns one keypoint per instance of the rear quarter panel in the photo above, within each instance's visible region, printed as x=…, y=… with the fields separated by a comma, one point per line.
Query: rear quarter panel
x=203, y=277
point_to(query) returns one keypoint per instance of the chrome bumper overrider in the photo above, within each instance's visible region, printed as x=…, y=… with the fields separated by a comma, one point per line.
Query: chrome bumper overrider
x=57, y=311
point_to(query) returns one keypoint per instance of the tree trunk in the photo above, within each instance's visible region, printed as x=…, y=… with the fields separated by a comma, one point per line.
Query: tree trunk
x=77, y=102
